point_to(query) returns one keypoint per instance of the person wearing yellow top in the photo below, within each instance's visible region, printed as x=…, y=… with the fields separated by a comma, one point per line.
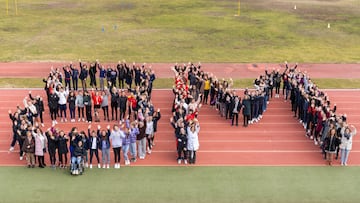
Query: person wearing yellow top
x=206, y=89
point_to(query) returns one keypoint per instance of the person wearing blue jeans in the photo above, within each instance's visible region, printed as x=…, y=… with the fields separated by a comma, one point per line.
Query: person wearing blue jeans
x=78, y=153
x=105, y=146
x=347, y=135
x=126, y=145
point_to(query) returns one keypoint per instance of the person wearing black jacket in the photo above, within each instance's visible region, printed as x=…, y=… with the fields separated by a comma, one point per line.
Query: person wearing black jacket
x=114, y=103
x=330, y=144
x=53, y=106
x=129, y=74
x=62, y=149
x=121, y=74
x=78, y=154
x=67, y=73
x=92, y=74
x=87, y=103
x=39, y=104
x=122, y=102
x=235, y=108
x=83, y=75
x=94, y=145
x=181, y=146
x=246, y=104
x=52, y=146
x=74, y=76
x=71, y=101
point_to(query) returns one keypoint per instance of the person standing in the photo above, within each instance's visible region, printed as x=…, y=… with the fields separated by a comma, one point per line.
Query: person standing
x=330, y=142
x=105, y=146
x=87, y=103
x=102, y=77
x=246, y=110
x=116, y=138
x=347, y=135
x=52, y=146
x=94, y=145
x=29, y=148
x=40, y=146
x=92, y=74
x=114, y=103
x=122, y=102
x=74, y=76
x=71, y=100
x=79, y=102
x=235, y=109
x=193, y=140
x=63, y=149
x=83, y=75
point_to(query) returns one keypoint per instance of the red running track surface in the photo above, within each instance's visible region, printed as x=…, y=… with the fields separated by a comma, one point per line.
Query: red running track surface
x=277, y=140
x=234, y=70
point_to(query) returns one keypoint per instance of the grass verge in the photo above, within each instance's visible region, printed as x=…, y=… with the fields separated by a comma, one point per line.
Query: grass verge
x=182, y=184
x=166, y=83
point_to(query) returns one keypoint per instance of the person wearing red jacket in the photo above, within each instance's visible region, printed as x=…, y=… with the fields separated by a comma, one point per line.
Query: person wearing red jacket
x=97, y=100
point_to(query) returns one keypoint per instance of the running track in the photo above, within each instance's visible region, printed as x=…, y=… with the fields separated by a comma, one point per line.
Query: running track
x=278, y=139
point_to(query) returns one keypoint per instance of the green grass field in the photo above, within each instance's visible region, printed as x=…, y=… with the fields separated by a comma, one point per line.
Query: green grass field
x=167, y=83
x=181, y=30
x=182, y=184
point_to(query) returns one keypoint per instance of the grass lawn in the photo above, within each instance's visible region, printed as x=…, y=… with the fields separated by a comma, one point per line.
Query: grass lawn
x=182, y=184
x=166, y=83
x=181, y=30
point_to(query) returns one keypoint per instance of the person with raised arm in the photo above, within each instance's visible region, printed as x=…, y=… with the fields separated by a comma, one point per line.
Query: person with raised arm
x=62, y=94
x=83, y=74
x=104, y=136
x=74, y=76
x=193, y=140
x=347, y=133
x=94, y=145
x=39, y=104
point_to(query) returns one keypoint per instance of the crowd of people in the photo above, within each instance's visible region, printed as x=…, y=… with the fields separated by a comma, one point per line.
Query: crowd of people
x=313, y=108
x=135, y=117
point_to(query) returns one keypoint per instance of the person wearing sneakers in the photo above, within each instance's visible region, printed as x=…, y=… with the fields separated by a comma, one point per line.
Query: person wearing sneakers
x=97, y=100
x=72, y=101
x=126, y=145
x=330, y=142
x=116, y=138
x=134, y=131
x=141, y=139
x=105, y=146
x=87, y=103
x=347, y=133
x=79, y=103
x=62, y=102
x=94, y=145
x=29, y=148
x=182, y=146
x=63, y=149
x=193, y=140
x=149, y=131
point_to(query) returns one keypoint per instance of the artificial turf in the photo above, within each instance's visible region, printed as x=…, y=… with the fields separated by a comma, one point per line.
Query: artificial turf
x=182, y=184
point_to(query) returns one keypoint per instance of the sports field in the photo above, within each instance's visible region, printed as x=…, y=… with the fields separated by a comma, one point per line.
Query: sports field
x=262, y=163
